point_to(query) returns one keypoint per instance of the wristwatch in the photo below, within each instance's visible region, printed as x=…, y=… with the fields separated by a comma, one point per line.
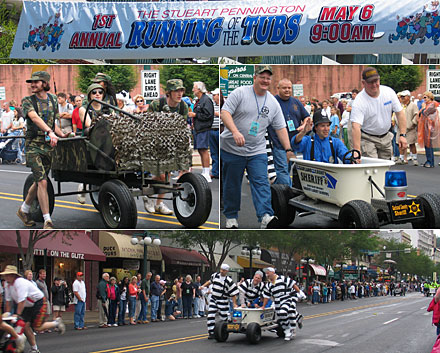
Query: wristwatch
x=289, y=150
x=403, y=135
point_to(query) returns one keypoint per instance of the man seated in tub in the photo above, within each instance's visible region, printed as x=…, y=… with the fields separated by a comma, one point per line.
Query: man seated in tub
x=320, y=147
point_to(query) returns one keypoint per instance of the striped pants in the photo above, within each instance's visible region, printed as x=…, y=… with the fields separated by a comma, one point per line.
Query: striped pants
x=220, y=306
x=287, y=314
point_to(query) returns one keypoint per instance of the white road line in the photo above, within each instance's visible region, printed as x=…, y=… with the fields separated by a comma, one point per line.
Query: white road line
x=13, y=171
x=345, y=335
x=423, y=307
x=388, y=322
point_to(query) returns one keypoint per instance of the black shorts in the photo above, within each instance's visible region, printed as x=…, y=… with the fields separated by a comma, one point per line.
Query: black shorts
x=35, y=314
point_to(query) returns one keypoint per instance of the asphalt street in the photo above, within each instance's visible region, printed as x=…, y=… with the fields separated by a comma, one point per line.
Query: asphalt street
x=420, y=180
x=380, y=324
x=69, y=214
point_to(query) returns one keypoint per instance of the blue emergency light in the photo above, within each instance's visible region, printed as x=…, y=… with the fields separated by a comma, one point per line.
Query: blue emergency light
x=237, y=314
x=395, y=178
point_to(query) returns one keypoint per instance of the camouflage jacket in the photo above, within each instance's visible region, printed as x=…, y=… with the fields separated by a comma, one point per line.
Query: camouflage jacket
x=155, y=107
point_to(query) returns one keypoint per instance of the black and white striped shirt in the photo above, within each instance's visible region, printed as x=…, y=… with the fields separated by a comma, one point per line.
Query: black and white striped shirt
x=251, y=291
x=281, y=290
x=223, y=287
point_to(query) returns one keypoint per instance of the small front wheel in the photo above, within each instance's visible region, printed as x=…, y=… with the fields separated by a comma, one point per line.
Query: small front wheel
x=221, y=333
x=117, y=206
x=253, y=333
x=358, y=214
x=193, y=204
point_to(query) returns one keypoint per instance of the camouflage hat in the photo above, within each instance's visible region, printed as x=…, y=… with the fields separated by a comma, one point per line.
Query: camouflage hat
x=174, y=84
x=259, y=69
x=99, y=77
x=94, y=86
x=39, y=76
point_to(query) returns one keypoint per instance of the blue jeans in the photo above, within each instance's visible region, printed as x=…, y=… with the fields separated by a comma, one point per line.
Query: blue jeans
x=429, y=151
x=281, y=167
x=196, y=306
x=122, y=310
x=131, y=306
x=315, y=298
x=187, y=306
x=143, y=313
x=78, y=317
x=214, y=149
x=112, y=306
x=18, y=144
x=154, y=306
x=396, y=152
x=233, y=170
x=180, y=306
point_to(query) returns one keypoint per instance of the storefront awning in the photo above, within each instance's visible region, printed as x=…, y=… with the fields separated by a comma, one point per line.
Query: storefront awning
x=176, y=256
x=233, y=266
x=244, y=261
x=79, y=246
x=119, y=245
x=319, y=270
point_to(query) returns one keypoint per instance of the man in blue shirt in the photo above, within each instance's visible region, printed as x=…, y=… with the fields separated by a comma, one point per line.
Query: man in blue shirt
x=294, y=114
x=320, y=147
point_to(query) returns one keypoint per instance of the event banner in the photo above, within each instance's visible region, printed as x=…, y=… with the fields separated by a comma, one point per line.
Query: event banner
x=139, y=30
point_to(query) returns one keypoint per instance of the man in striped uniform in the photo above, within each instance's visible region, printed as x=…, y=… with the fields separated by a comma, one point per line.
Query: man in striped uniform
x=251, y=290
x=223, y=288
x=282, y=290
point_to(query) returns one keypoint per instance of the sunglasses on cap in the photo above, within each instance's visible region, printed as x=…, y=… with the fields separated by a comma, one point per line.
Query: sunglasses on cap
x=97, y=91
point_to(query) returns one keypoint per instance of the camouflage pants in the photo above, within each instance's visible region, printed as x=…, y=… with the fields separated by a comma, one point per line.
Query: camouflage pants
x=39, y=159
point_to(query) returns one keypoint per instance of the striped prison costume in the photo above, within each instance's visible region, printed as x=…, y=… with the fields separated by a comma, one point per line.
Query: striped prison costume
x=222, y=289
x=271, y=173
x=249, y=292
x=285, y=300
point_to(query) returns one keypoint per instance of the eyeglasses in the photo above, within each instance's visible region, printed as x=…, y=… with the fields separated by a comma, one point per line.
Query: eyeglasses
x=97, y=91
x=425, y=97
x=139, y=101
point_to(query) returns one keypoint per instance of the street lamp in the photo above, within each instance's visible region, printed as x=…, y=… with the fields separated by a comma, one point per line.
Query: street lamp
x=250, y=250
x=147, y=238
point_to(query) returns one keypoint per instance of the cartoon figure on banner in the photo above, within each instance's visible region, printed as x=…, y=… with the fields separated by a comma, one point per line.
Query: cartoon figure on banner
x=46, y=35
x=422, y=25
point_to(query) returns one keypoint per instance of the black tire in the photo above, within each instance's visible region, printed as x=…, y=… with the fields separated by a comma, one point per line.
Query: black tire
x=280, y=204
x=94, y=196
x=221, y=333
x=358, y=214
x=35, y=211
x=253, y=333
x=117, y=206
x=431, y=206
x=195, y=210
x=280, y=331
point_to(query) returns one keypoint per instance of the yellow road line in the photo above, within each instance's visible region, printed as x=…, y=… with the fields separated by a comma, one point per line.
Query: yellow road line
x=154, y=344
x=58, y=203
x=203, y=336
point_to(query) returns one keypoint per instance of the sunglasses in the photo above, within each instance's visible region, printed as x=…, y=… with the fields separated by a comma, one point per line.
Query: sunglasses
x=425, y=97
x=97, y=91
x=140, y=101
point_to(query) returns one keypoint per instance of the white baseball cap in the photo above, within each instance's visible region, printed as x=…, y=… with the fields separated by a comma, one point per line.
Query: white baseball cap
x=225, y=267
x=269, y=269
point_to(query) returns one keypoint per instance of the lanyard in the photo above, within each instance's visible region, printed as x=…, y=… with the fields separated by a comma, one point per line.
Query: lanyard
x=256, y=100
x=45, y=113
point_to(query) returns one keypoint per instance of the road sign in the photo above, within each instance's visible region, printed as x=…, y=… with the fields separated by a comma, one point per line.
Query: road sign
x=298, y=90
x=150, y=84
x=433, y=82
x=2, y=93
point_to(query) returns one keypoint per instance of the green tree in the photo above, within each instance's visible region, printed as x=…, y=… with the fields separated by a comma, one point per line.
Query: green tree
x=400, y=77
x=190, y=74
x=124, y=77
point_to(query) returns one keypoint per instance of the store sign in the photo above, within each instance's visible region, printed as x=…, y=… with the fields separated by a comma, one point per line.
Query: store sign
x=433, y=82
x=234, y=76
x=150, y=84
x=298, y=90
x=141, y=30
x=131, y=265
x=2, y=93
x=57, y=253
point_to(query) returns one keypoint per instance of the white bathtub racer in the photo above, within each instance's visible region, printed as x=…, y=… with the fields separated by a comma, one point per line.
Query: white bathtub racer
x=365, y=195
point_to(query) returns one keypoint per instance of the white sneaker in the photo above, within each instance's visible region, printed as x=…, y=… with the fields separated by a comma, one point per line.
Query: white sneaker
x=162, y=208
x=20, y=343
x=60, y=326
x=197, y=316
x=415, y=162
x=207, y=177
x=231, y=223
x=81, y=197
x=149, y=204
x=267, y=221
x=293, y=332
x=287, y=334
x=115, y=325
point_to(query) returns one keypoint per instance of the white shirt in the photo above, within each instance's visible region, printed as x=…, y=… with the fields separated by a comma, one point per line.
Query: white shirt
x=7, y=118
x=80, y=287
x=23, y=290
x=374, y=114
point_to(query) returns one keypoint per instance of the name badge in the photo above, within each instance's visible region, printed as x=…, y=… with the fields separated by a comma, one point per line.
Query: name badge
x=291, y=125
x=254, y=128
x=46, y=137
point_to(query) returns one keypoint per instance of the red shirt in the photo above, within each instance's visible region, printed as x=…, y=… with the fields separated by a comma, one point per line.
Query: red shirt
x=75, y=119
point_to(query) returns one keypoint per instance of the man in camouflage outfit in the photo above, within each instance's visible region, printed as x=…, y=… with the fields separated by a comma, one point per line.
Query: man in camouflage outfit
x=41, y=111
x=172, y=103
